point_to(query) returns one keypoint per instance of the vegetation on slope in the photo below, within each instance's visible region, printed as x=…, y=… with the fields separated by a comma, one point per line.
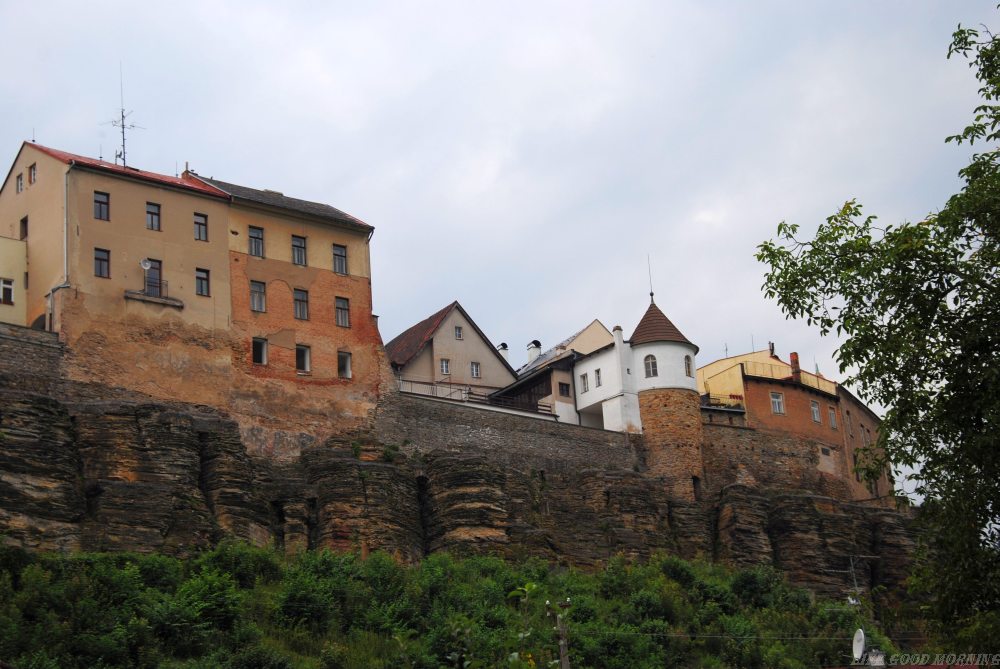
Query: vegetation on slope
x=246, y=608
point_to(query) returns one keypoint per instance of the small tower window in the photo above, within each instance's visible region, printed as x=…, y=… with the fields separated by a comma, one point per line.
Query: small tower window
x=687, y=366
x=650, y=362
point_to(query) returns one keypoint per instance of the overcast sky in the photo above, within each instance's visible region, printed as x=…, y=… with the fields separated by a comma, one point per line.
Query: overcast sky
x=524, y=158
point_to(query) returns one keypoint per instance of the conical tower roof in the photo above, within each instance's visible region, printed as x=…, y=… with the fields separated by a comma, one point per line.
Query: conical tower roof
x=655, y=326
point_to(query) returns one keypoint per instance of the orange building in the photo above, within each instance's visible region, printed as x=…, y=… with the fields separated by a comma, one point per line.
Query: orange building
x=186, y=288
x=780, y=397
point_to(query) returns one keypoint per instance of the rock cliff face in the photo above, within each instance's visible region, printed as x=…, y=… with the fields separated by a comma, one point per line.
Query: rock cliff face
x=124, y=474
x=84, y=466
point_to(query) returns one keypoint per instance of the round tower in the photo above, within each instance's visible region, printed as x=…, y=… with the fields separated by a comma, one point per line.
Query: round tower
x=663, y=367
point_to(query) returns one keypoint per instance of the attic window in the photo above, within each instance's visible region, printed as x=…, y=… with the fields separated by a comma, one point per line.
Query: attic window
x=458, y=332
x=32, y=173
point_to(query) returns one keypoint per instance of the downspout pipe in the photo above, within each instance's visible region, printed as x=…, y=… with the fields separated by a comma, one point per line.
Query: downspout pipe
x=65, y=281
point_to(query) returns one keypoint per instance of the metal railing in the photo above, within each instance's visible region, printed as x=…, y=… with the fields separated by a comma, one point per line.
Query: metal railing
x=723, y=401
x=154, y=287
x=465, y=393
x=764, y=370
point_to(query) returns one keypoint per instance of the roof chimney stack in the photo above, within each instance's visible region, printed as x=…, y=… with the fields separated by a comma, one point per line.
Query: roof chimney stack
x=502, y=350
x=770, y=345
x=534, y=348
x=796, y=370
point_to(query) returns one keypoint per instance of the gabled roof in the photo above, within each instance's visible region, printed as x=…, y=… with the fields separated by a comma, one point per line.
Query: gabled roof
x=406, y=345
x=270, y=198
x=654, y=326
x=558, y=351
x=75, y=160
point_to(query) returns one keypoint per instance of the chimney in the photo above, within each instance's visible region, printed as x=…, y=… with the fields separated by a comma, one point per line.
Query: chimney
x=502, y=349
x=796, y=370
x=770, y=345
x=534, y=348
x=616, y=331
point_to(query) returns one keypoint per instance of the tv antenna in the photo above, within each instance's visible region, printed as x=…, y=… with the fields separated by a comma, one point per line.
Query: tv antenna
x=120, y=122
x=649, y=268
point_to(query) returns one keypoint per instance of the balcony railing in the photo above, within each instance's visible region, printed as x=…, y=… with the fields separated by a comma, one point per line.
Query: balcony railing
x=465, y=393
x=154, y=287
x=764, y=370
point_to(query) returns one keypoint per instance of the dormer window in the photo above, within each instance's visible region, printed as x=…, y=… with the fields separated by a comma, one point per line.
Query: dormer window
x=688, y=366
x=650, y=363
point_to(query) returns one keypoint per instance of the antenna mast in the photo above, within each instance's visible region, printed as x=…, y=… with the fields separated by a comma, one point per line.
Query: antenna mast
x=120, y=121
x=649, y=268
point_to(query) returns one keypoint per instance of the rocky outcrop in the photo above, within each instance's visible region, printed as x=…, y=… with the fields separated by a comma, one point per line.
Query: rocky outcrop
x=128, y=474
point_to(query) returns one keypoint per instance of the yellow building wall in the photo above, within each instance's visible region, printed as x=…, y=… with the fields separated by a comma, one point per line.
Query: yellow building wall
x=320, y=238
x=591, y=338
x=13, y=266
x=712, y=369
x=128, y=240
x=42, y=203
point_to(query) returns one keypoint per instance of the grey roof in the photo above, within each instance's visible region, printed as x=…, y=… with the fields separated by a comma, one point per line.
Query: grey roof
x=550, y=354
x=275, y=199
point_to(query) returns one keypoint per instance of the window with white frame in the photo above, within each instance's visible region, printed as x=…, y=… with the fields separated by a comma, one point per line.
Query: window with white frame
x=584, y=383
x=445, y=366
x=777, y=403
x=597, y=378
x=32, y=173
x=258, y=296
x=20, y=183
x=688, y=366
x=814, y=408
x=303, y=359
x=7, y=291
x=344, y=364
x=474, y=368
x=649, y=362
x=458, y=332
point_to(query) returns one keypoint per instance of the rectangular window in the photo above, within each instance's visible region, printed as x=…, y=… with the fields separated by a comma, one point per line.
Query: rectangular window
x=847, y=420
x=474, y=368
x=301, y=298
x=339, y=259
x=256, y=242
x=458, y=332
x=102, y=263
x=298, y=250
x=563, y=389
x=258, y=296
x=152, y=216
x=777, y=403
x=833, y=418
x=32, y=173
x=303, y=359
x=597, y=378
x=155, y=285
x=343, y=312
x=20, y=183
x=584, y=383
x=200, y=228
x=259, y=351
x=445, y=366
x=343, y=364
x=814, y=407
x=102, y=206
x=24, y=228
x=201, y=284
x=6, y=291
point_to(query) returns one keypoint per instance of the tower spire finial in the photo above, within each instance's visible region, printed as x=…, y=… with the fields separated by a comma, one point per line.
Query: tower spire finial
x=649, y=267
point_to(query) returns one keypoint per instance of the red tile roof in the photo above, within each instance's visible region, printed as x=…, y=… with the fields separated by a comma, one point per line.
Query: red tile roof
x=408, y=343
x=654, y=326
x=131, y=172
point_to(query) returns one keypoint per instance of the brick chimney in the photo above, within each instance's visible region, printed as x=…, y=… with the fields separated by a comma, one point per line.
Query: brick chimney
x=796, y=370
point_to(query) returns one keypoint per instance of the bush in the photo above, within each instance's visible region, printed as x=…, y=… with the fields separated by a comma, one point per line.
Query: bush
x=213, y=595
x=258, y=657
x=242, y=562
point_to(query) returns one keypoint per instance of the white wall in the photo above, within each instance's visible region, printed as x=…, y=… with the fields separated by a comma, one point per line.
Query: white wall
x=607, y=362
x=669, y=366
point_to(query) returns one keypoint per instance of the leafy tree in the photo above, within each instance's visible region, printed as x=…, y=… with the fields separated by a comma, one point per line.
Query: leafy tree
x=918, y=305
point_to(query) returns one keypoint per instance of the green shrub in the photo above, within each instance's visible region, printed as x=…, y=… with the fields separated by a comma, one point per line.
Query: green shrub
x=258, y=657
x=242, y=562
x=213, y=595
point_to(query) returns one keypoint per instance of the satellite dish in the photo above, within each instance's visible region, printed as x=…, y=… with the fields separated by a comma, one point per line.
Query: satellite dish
x=859, y=645
x=145, y=264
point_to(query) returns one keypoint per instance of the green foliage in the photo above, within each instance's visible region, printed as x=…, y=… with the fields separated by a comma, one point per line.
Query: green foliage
x=918, y=306
x=328, y=611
